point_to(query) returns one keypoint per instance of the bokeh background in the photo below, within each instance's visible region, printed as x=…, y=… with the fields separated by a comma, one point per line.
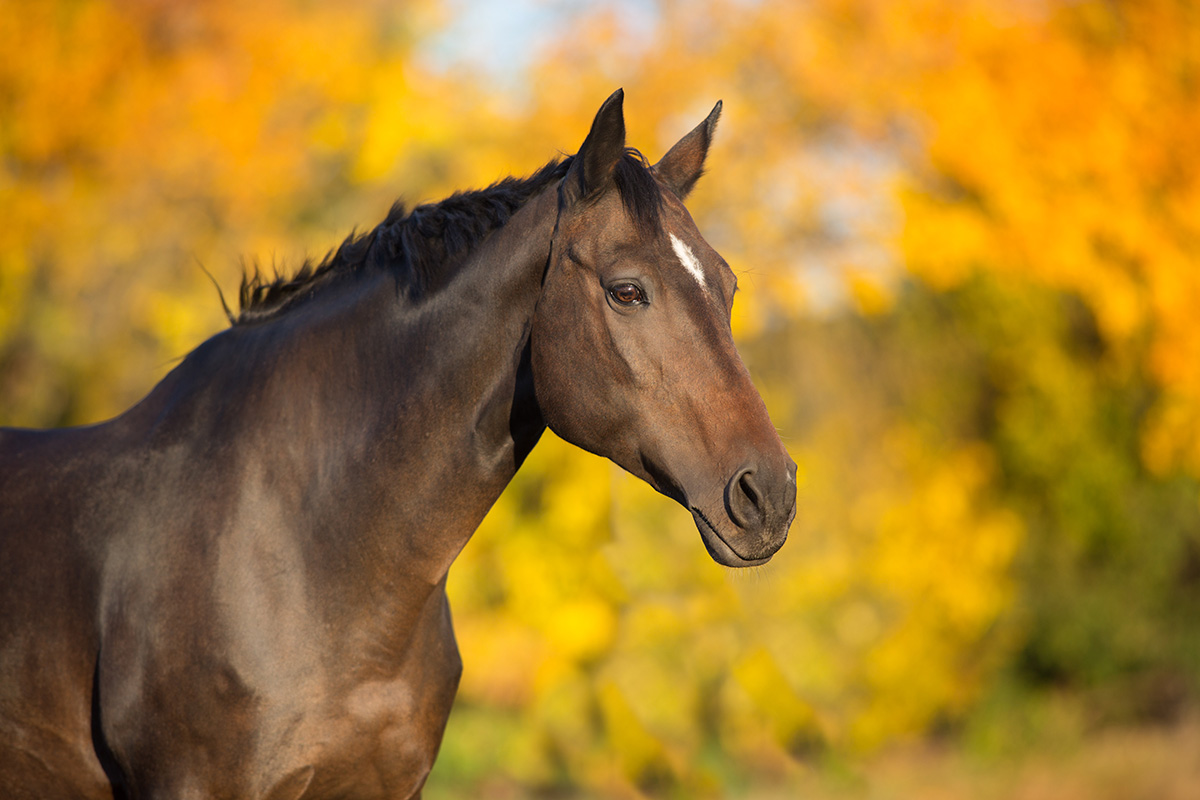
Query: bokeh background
x=966, y=233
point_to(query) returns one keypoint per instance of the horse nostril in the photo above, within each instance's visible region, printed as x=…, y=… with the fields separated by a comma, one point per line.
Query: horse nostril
x=751, y=491
x=744, y=500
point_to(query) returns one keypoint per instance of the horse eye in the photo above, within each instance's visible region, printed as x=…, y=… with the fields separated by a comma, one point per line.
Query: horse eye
x=627, y=294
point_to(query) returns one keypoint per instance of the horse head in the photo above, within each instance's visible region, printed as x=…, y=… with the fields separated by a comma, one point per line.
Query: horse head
x=631, y=348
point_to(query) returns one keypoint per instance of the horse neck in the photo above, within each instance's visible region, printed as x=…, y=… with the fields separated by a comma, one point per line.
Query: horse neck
x=376, y=431
x=428, y=409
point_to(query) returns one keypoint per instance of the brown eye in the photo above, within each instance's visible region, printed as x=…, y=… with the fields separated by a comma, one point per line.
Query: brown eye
x=627, y=294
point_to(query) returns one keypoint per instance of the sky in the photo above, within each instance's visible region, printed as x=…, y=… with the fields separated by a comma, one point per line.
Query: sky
x=502, y=39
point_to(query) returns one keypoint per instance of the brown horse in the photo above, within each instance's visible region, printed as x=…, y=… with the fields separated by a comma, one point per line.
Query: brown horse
x=236, y=589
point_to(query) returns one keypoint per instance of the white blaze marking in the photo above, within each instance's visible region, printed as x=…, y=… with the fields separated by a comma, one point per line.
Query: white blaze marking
x=688, y=259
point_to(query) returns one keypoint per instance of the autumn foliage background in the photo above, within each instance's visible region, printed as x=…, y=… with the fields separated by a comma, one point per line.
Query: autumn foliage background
x=966, y=234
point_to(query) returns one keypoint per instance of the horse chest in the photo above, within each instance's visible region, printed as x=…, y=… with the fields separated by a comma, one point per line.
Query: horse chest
x=383, y=742
x=378, y=738
x=348, y=719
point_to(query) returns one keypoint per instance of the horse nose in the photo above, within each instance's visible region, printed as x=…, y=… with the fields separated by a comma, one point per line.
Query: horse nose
x=762, y=500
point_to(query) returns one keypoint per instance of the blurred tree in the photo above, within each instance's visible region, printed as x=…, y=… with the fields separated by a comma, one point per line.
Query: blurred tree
x=1020, y=412
x=144, y=140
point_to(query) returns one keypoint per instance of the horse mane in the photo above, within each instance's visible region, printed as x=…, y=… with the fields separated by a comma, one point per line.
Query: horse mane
x=417, y=245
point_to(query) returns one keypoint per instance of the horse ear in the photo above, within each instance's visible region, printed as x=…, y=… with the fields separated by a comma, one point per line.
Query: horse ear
x=683, y=164
x=601, y=150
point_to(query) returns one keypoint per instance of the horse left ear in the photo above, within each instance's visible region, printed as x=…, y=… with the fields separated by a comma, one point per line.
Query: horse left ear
x=683, y=164
x=601, y=150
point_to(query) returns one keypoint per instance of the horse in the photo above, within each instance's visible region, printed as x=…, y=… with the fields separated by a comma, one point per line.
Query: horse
x=236, y=588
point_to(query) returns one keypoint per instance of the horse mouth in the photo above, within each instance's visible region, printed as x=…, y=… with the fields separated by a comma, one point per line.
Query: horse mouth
x=718, y=548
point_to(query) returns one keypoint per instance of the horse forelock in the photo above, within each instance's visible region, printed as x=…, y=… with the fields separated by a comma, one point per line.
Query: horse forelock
x=640, y=192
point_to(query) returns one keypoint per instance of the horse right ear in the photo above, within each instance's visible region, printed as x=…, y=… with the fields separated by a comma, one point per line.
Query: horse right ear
x=683, y=165
x=604, y=146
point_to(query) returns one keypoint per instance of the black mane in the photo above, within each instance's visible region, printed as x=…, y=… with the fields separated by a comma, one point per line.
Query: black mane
x=417, y=244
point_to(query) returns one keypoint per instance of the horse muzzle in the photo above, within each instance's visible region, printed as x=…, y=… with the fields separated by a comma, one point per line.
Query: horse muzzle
x=751, y=520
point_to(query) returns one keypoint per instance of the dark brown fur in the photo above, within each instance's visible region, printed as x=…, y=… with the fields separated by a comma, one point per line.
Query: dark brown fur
x=236, y=589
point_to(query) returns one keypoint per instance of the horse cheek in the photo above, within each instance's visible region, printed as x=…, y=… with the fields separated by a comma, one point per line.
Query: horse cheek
x=567, y=372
